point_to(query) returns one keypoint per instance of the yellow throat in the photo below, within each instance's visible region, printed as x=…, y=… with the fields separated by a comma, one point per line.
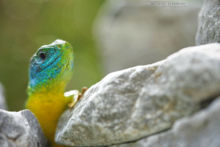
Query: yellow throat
x=47, y=107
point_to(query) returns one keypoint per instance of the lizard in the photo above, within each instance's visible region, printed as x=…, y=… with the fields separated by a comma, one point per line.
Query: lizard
x=51, y=68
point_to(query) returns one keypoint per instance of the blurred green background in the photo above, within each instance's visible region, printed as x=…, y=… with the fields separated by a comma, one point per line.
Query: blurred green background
x=25, y=25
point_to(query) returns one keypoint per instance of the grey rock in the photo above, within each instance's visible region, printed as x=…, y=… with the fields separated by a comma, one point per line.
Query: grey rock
x=137, y=102
x=199, y=130
x=209, y=23
x=20, y=129
x=131, y=33
x=2, y=98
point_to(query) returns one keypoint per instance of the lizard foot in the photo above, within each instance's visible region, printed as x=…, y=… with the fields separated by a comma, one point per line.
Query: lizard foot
x=76, y=96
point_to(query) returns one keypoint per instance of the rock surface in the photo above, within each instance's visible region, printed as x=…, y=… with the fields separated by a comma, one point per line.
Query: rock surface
x=137, y=102
x=143, y=31
x=20, y=129
x=199, y=130
x=209, y=23
x=2, y=98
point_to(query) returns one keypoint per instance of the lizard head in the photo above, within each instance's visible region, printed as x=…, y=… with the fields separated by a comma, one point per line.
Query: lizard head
x=51, y=66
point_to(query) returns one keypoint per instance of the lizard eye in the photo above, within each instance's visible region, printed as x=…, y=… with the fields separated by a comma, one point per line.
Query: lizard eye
x=42, y=55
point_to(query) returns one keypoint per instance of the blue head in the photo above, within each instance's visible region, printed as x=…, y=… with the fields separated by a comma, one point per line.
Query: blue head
x=51, y=66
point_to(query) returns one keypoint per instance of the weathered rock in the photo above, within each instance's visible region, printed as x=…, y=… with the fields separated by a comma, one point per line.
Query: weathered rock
x=140, y=101
x=2, y=98
x=209, y=23
x=199, y=130
x=20, y=129
x=131, y=33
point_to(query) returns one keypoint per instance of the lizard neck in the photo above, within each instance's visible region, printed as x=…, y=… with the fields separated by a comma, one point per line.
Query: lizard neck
x=55, y=89
x=47, y=103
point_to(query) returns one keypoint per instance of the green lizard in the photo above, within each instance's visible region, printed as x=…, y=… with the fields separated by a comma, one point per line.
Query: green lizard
x=50, y=70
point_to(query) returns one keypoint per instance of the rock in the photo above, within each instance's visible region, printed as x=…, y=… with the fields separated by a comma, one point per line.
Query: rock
x=199, y=130
x=137, y=102
x=20, y=129
x=2, y=98
x=209, y=23
x=143, y=32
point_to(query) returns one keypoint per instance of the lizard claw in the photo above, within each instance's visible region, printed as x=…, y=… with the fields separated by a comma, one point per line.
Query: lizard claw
x=71, y=105
x=82, y=92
